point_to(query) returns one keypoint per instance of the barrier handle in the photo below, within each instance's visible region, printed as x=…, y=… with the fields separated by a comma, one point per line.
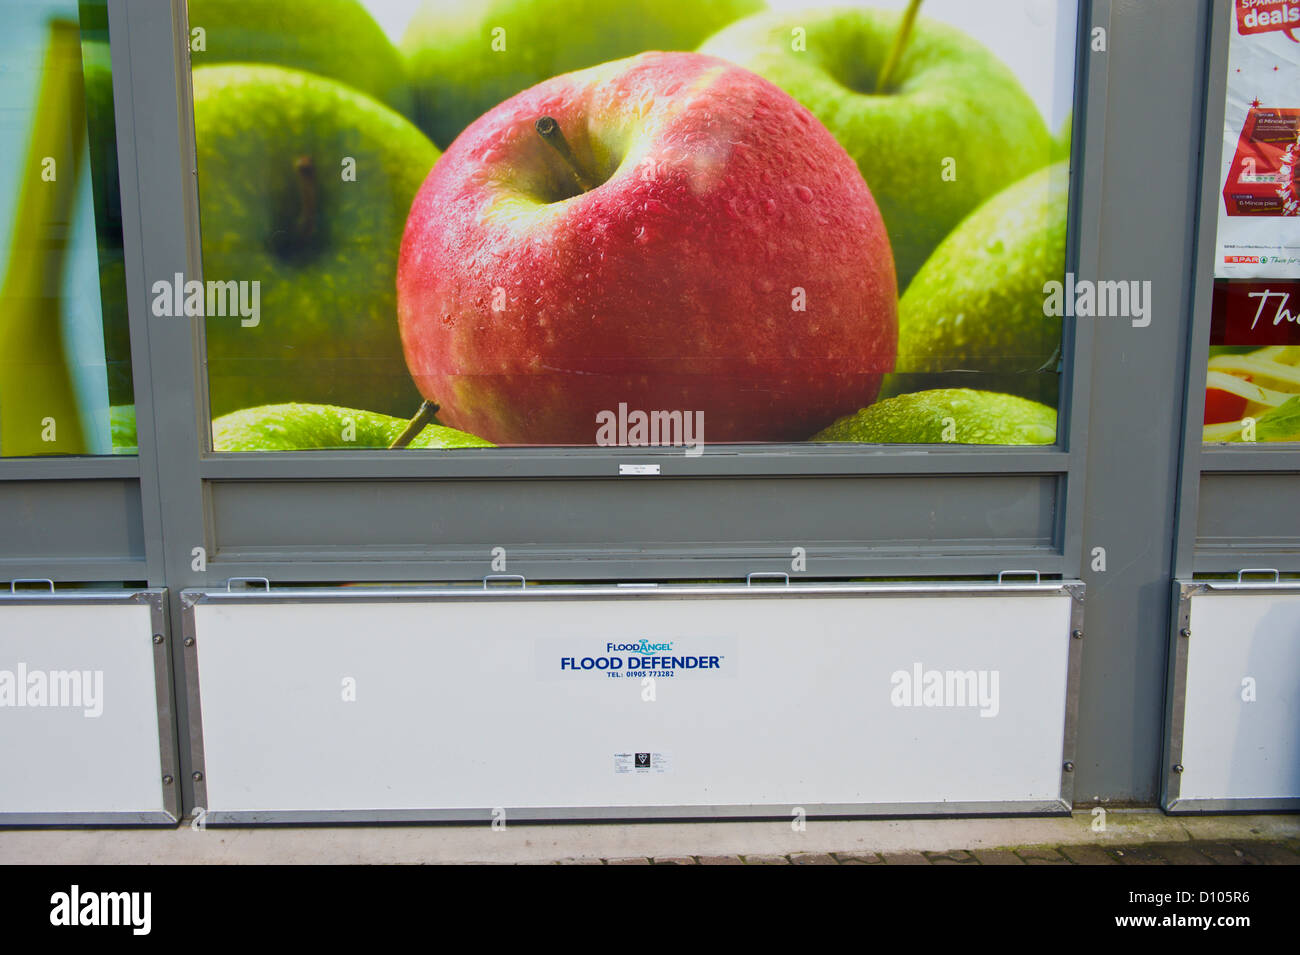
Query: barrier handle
x=1277, y=577
x=248, y=580
x=523, y=581
x=749, y=578
x=13, y=584
x=1038, y=578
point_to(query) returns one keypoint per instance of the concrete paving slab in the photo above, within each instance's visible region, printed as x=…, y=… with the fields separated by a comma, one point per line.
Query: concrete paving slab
x=525, y=843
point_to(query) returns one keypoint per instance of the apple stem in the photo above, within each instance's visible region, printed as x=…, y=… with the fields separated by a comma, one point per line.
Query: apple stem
x=305, y=226
x=417, y=424
x=900, y=43
x=549, y=130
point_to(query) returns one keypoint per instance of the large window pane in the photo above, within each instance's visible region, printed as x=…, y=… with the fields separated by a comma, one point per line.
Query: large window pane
x=65, y=370
x=422, y=228
x=1253, y=375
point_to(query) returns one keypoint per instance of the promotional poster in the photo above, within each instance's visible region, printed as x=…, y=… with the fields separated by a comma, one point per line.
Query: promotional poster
x=452, y=225
x=444, y=224
x=1253, y=377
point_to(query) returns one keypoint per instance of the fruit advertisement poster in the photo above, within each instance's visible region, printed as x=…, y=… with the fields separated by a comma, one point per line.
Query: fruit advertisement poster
x=65, y=369
x=448, y=224
x=1253, y=376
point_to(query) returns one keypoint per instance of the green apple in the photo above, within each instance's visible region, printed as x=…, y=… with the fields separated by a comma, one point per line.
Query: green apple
x=334, y=38
x=304, y=187
x=973, y=316
x=1061, y=142
x=301, y=427
x=121, y=427
x=464, y=58
x=951, y=127
x=947, y=416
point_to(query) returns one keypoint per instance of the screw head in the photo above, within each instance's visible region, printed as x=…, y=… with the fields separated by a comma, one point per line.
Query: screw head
x=1178, y=767
x=1185, y=632
x=157, y=638
x=1077, y=634
x=167, y=780
x=1069, y=766
x=189, y=641
x=197, y=777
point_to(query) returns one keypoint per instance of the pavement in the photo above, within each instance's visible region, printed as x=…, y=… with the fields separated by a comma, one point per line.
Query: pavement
x=1089, y=837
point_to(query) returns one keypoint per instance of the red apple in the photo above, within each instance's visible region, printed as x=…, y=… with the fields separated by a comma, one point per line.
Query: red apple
x=706, y=246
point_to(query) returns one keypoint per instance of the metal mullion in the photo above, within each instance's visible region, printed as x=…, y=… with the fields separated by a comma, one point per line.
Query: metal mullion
x=1194, y=456
x=155, y=148
x=1087, y=173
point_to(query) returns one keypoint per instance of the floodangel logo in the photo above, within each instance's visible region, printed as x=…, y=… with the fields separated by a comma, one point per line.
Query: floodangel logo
x=643, y=646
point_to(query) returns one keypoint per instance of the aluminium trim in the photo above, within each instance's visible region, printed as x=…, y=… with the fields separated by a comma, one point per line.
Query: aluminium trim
x=475, y=591
x=578, y=814
x=193, y=697
x=1074, y=671
x=1251, y=804
x=162, y=675
x=152, y=817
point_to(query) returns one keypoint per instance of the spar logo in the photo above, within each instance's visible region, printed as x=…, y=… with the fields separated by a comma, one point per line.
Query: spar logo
x=1242, y=260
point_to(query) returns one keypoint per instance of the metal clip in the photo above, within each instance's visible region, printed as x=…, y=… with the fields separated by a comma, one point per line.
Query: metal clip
x=248, y=580
x=523, y=582
x=749, y=578
x=13, y=584
x=1038, y=578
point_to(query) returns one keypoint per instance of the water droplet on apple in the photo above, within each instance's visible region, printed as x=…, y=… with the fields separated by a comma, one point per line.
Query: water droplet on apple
x=769, y=206
x=804, y=193
x=671, y=88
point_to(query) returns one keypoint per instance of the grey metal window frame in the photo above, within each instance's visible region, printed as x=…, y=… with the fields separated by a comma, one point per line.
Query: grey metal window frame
x=209, y=486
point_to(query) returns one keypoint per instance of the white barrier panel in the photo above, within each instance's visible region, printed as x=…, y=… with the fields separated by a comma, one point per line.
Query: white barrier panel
x=603, y=702
x=597, y=702
x=85, y=713
x=1234, y=740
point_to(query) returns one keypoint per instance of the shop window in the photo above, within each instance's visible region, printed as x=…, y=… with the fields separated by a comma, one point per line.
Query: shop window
x=422, y=229
x=65, y=364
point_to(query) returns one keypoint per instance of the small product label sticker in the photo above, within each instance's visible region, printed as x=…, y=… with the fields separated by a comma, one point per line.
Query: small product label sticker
x=642, y=762
x=643, y=469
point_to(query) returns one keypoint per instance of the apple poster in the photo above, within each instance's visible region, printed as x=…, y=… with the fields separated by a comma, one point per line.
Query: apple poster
x=449, y=224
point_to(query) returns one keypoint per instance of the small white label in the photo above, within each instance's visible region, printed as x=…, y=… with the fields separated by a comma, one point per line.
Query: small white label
x=640, y=763
x=638, y=469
